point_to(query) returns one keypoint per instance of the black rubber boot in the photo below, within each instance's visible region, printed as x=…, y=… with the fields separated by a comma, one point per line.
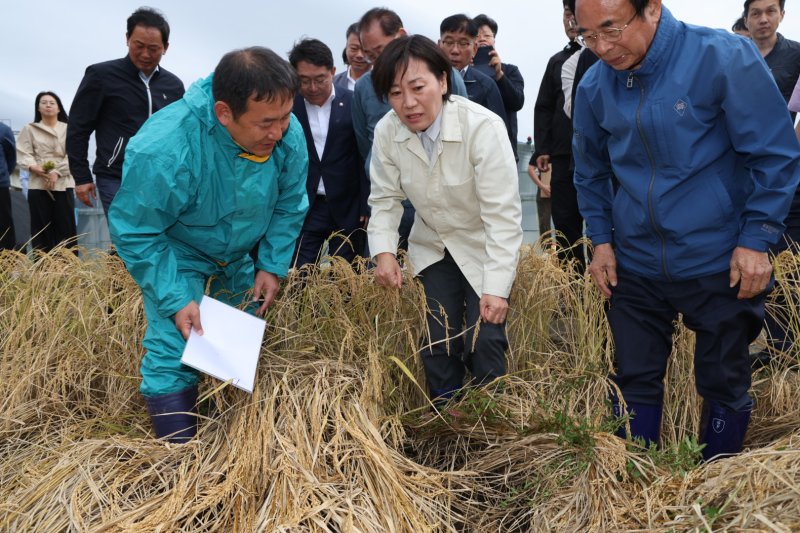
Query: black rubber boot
x=645, y=421
x=174, y=415
x=722, y=430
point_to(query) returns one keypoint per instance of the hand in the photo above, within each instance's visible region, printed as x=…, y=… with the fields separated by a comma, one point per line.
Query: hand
x=37, y=170
x=543, y=163
x=364, y=221
x=493, y=309
x=603, y=268
x=50, y=180
x=387, y=271
x=545, y=188
x=86, y=193
x=188, y=318
x=266, y=286
x=752, y=269
x=497, y=64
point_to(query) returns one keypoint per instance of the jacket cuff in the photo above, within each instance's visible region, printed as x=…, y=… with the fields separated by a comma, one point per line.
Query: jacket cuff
x=82, y=180
x=497, y=284
x=601, y=238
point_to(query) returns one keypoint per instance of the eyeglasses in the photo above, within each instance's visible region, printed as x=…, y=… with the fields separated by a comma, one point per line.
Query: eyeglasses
x=319, y=82
x=447, y=43
x=486, y=36
x=610, y=35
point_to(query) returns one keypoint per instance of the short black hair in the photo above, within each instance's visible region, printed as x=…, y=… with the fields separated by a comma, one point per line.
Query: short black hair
x=395, y=58
x=389, y=21
x=311, y=51
x=485, y=20
x=149, y=18
x=351, y=29
x=62, y=114
x=739, y=25
x=638, y=6
x=459, y=24
x=254, y=72
x=747, y=3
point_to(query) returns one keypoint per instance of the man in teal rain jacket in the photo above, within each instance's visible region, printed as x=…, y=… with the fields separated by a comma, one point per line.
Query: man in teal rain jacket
x=204, y=181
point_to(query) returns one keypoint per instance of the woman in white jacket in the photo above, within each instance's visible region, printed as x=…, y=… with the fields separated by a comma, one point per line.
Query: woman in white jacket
x=452, y=159
x=41, y=150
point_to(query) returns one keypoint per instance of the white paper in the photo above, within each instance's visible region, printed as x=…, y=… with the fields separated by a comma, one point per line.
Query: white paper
x=230, y=344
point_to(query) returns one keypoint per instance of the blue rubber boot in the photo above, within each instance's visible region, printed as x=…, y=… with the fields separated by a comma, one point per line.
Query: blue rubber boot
x=645, y=421
x=722, y=430
x=174, y=415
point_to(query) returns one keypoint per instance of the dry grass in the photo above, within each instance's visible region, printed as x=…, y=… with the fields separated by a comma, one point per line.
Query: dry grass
x=338, y=435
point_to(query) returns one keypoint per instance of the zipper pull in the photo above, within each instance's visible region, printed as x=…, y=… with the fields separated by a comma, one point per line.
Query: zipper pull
x=629, y=85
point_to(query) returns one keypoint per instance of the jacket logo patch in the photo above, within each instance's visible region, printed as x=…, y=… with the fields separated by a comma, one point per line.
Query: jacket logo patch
x=718, y=425
x=680, y=107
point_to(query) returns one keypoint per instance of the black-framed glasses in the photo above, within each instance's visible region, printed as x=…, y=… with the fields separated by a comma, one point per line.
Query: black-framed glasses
x=610, y=35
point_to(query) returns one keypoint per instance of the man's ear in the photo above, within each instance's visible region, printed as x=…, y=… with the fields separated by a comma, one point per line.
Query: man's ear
x=654, y=9
x=223, y=113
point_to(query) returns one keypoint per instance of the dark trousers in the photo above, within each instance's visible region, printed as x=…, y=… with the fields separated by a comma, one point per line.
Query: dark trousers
x=106, y=190
x=449, y=350
x=641, y=316
x=406, y=224
x=52, y=219
x=7, y=237
x=567, y=217
x=318, y=227
x=544, y=212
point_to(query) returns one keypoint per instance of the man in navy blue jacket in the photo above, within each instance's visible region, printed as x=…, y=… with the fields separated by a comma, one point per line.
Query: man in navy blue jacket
x=337, y=182
x=113, y=100
x=458, y=39
x=8, y=161
x=705, y=181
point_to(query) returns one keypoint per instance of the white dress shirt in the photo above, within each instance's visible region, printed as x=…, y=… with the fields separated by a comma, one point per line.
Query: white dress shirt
x=319, y=118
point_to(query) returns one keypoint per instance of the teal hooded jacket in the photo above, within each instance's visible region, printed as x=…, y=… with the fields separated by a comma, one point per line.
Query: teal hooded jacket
x=190, y=205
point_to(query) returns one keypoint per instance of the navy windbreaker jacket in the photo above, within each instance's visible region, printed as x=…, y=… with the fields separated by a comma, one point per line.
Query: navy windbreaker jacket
x=701, y=142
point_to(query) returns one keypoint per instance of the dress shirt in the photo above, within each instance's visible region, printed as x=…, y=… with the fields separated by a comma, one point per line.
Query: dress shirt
x=319, y=118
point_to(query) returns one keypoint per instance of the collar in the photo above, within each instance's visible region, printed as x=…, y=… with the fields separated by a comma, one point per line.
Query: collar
x=433, y=130
x=350, y=77
x=572, y=46
x=252, y=157
x=145, y=78
x=780, y=42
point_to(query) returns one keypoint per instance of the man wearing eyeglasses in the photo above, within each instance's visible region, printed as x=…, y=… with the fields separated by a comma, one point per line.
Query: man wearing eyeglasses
x=337, y=184
x=377, y=28
x=458, y=36
x=762, y=18
x=706, y=179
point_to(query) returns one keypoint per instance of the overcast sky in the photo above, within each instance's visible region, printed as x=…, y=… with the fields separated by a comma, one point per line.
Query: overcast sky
x=47, y=44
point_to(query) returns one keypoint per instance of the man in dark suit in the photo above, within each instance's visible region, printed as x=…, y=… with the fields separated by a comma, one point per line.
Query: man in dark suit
x=458, y=36
x=337, y=184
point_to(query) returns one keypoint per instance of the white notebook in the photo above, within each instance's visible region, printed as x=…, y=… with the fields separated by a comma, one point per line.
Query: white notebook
x=230, y=344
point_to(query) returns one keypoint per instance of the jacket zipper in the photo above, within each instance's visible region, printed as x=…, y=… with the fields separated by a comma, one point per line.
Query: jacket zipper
x=149, y=99
x=650, y=208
